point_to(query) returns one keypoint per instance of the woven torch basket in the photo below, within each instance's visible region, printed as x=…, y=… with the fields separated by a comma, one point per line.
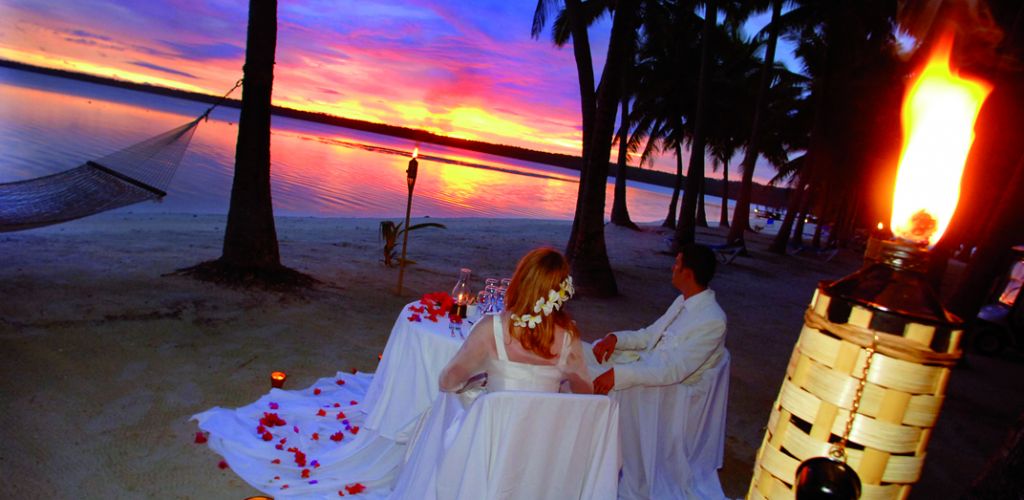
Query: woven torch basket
x=901, y=400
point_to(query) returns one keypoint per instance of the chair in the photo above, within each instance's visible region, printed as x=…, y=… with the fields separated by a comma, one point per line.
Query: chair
x=727, y=253
x=511, y=445
x=673, y=437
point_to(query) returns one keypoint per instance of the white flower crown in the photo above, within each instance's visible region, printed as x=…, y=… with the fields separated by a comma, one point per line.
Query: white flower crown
x=545, y=305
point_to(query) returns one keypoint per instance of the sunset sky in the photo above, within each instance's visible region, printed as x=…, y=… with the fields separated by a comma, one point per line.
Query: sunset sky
x=464, y=69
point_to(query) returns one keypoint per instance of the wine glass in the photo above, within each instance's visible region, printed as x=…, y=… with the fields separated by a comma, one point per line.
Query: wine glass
x=483, y=299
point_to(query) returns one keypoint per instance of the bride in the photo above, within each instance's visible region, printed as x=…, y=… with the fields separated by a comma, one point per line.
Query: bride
x=307, y=443
x=542, y=346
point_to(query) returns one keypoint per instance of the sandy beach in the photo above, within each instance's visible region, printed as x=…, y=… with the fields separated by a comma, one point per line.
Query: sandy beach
x=105, y=353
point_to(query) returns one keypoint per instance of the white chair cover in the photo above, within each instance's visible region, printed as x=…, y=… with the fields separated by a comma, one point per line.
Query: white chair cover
x=673, y=438
x=513, y=445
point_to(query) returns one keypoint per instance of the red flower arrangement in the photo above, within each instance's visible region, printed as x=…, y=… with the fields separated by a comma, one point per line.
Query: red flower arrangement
x=435, y=304
x=355, y=488
x=271, y=420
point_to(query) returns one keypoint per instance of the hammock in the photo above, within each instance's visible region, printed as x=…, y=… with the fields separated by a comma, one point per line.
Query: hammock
x=134, y=174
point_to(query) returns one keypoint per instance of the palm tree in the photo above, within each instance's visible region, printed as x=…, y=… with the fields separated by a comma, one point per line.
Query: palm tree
x=620, y=212
x=848, y=48
x=586, y=249
x=250, y=252
x=741, y=215
x=685, y=229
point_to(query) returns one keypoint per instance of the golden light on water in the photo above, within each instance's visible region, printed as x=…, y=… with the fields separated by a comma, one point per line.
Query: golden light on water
x=938, y=116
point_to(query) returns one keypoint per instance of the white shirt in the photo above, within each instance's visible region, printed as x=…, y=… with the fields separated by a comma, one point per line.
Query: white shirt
x=684, y=342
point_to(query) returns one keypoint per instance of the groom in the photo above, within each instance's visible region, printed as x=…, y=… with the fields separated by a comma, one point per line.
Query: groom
x=684, y=342
x=672, y=415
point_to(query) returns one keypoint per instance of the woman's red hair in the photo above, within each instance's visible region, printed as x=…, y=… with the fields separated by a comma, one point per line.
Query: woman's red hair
x=537, y=273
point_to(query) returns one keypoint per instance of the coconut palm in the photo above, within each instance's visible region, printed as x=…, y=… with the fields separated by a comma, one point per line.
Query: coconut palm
x=250, y=253
x=741, y=215
x=586, y=249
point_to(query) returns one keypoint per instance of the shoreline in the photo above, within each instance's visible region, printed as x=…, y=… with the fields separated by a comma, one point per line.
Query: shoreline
x=107, y=353
x=760, y=195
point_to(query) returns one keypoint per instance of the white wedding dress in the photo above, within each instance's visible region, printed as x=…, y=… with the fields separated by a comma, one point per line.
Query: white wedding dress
x=321, y=449
x=432, y=472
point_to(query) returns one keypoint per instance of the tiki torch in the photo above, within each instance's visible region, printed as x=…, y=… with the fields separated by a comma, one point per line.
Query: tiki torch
x=410, y=179
x=867, y=377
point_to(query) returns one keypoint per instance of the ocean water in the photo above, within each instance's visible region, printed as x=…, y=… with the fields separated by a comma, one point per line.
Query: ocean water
x=49, y=124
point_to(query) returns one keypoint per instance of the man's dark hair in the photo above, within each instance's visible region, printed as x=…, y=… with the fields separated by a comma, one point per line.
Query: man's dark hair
x=701, y=260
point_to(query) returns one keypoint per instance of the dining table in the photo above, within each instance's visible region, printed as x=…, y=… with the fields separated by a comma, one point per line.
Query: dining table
x=406, y=382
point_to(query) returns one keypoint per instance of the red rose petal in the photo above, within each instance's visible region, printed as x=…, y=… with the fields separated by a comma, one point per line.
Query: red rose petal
x=341, y=415
x=337, y=436
x=275, y=461
x=200, y=438
x=316, y=392
x=305, y=473
x=267, y=436
x=355, y=430
x=222, y=464
x=353, y=402
x=321, y=412
x=339, y=382
x=316, y=437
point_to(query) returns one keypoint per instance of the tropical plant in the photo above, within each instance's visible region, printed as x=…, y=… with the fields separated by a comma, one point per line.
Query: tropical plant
x=391, y=232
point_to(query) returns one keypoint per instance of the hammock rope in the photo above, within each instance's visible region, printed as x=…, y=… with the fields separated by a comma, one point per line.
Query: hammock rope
x=137, y=173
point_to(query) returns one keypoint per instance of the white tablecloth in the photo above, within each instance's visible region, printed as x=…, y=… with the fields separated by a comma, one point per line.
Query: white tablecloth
x=405, y=384
x=370, y=413
x=513, y=445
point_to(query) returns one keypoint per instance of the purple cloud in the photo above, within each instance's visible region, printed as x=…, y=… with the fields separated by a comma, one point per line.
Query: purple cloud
x=206, y=51
x=163, y=69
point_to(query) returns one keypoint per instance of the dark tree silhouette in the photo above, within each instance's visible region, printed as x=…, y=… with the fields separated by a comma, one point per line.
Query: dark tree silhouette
x=250, y=253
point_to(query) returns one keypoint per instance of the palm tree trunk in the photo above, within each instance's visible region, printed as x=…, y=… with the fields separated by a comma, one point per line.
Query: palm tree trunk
x=250, y=239
x=702, y=214
x=588, y=99
x=798, y=232
x=685, y=230
x=781, y=241
x=620, y=212
x=586, y=251
x=673, y=206
x=723, y=220
x=741, y=215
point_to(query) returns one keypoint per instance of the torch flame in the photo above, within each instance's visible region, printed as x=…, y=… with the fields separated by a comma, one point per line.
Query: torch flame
x=415, y=152
x=939, y=112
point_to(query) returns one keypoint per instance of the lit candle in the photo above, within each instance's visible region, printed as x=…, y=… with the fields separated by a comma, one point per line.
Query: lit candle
x=277, y=379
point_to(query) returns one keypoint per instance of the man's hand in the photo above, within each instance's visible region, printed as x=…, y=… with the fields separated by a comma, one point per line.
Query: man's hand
x=604, y=348
x=604, y=382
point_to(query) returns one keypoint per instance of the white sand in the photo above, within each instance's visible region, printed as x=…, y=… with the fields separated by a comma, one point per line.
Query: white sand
x=103, y=358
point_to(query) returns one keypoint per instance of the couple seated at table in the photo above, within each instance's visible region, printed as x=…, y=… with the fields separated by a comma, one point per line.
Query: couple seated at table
x=667, y=383
x=670, y=379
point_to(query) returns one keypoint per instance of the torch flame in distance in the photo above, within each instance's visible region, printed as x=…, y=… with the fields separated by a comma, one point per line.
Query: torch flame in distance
x=415, y=152
x=938, y=117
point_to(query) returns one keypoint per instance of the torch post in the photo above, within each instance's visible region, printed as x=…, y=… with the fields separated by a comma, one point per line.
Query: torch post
x=410, y=178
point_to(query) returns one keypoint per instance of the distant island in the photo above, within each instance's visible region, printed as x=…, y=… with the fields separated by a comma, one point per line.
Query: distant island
x=771, y=196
